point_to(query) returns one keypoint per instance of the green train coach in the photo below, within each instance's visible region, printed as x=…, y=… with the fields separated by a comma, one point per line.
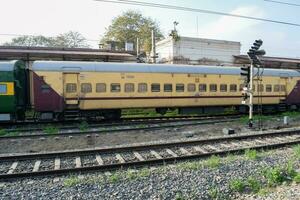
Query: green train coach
x=13, y=94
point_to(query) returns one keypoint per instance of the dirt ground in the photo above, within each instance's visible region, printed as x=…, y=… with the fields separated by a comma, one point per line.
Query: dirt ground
x=55, y=143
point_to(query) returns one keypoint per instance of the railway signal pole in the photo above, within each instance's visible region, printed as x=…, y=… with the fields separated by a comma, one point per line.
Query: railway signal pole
x=248, y=72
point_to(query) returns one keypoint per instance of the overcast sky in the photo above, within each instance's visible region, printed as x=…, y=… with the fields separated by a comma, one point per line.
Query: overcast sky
x=52, y=17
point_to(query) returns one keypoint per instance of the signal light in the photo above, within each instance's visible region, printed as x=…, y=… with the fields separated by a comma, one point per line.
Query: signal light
x=246, y=72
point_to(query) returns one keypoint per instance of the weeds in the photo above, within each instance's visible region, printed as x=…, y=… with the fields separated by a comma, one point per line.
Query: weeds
x=50, y=130
x=237, y=185
x=83, y=126
x=71, y=181
x=296, y=150
x=189, y=166
x=296, y=179
x=213, y=193
x=251, y=154
x=115, y=177
x=213, y=162
x=253, y=184
x=3, y=132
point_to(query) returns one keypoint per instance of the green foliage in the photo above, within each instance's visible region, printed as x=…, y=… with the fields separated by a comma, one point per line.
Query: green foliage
x=115, y=177
x=251, y=154
x=70, y=39
x=237, y=185
x=3, y=132
x=189, y=166
x=83, y=126
x=51, y=130
x=296, y=150
x=71, y=181
x=297, y=178
x=291, y=114
x=129, y=26
x=213, y=193
x=132, y=175
x=274, y=176
x=213, y=162
x=253, y=184
x=179, y=196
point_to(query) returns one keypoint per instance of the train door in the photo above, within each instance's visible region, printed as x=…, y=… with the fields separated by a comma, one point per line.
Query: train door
x=71, y=89
x=283, y=82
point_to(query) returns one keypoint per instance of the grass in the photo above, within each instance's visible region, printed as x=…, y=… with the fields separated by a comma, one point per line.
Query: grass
x=212, y=162
x=296, y=179
x=253, y=184
x=70, y=182
x=291, y=114
x=189, y=166
x=115, y=177
x=251, y=154
x=213, y=193
x=237, y=185
x=3, y=132
x=132, y=175
x=51, y=130
x=83, y=126
x=296, y=150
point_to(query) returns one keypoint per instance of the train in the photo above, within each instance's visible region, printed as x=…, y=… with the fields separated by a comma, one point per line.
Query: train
x=55, y=90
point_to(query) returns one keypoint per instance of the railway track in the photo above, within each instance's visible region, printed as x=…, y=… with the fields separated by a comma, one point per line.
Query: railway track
x=118, y=127
x=108, y=159
x=39, y=125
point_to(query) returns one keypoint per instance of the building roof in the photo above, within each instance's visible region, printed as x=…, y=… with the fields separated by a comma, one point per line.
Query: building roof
x=66, y=66
x=45, y=53
x=271, y=62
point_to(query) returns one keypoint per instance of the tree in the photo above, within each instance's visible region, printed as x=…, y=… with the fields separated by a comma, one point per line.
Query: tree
x=128, y=27
x=70, y=39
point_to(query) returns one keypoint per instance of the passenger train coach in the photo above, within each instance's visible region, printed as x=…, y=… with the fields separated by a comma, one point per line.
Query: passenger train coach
x=57, y=88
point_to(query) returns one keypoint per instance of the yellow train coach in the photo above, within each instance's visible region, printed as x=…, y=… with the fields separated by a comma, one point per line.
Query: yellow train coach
x=103, y=89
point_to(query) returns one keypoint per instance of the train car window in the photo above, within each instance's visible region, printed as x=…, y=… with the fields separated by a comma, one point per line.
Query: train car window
x=86, y=88
x=260, y=88
x=45, y=88
x=268, y=88
x=179, y=87
x=191, y=87
x=282, y=88
x=276, y=88
x=155, y=87
x=71, y=87
x=168, y=87
x=129, y=87
x=223, y=88
x=233, y=88
x=115, y=87
x=213, y=87
x=3, y=88
x=142, y=87
x=100, y=87
x=202, y=87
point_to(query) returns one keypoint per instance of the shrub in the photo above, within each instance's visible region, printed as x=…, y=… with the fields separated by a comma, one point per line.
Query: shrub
x=251, y=154
x=237, y=185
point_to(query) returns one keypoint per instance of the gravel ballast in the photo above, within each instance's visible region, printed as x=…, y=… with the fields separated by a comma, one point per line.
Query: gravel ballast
x=194, y=180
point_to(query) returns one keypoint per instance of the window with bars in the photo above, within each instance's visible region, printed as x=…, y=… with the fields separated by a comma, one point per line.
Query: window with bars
x=223, y=88
x=86, y=88
x=115, y=87
x=233, y=87
x=155, y=87
x=202, y=87
x=213, y=87
x=168, y=87
x=129, y=87
x=142, y=87
x=100, y=87
x=179, y=87
x=71, y=87
x=191, y=87
x=268, y=88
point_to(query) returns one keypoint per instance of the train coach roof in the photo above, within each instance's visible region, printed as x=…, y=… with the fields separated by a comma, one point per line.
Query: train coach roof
x=67, y=66
x=8, y=66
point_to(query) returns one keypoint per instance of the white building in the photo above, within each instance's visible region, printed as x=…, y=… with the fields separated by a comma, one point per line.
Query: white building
x=197, y=51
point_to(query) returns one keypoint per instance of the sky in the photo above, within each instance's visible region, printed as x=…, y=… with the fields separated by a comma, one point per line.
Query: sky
x=91, y=18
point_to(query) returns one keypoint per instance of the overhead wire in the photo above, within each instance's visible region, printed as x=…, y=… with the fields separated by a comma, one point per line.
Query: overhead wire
x=172, y=7
x=282, y=2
